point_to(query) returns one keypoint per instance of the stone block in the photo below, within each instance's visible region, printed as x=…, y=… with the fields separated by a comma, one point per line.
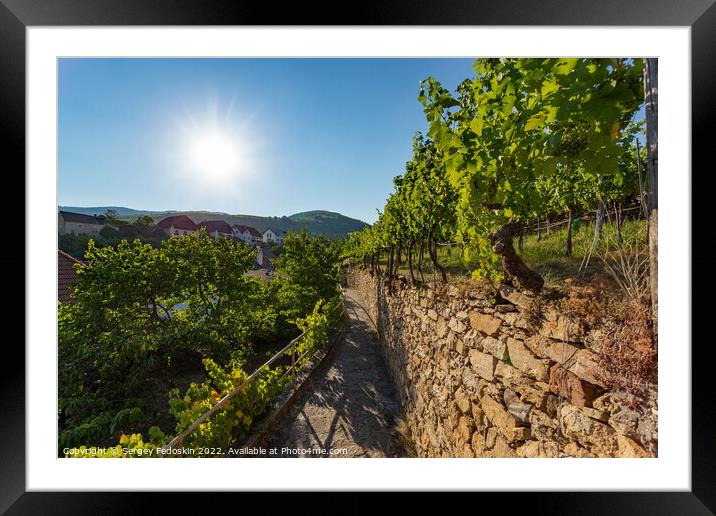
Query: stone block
x=498, y=415
x=523, y=359
x=574, y=358
x=574, y=450
x=529, y=390
x=484, y=323
x=568, y=385
x=564, y=328
x=538, y=449
x=472, y=339
x=457, y=325
x=597, y=437
x=517, y=409
x=483, y=364
x=496, y=348
x=441, y=327
x=463, y=401
x=628, y=448
x=515, y=297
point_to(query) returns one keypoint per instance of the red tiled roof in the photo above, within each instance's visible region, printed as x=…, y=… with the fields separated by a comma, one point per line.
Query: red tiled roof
x=66, y=276
x=80, y=217
x=253, y=231
x=178, y=221
x=216, y=225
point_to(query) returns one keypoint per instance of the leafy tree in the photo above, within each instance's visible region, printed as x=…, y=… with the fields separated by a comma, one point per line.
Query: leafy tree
x=512, y=124
x=307, y=271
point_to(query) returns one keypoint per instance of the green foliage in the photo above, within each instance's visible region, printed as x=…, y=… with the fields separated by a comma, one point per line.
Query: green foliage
x=307, y=271
x=138, y=306
x=523, y=139
x=235, y=418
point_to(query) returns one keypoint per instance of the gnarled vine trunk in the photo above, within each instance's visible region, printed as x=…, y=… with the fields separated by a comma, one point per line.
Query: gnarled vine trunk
x=433, y=251
x=515, y=269
x=410, y=263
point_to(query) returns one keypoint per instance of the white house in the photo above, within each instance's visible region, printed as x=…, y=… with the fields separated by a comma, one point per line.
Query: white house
x=274, y=236
x=246, y=233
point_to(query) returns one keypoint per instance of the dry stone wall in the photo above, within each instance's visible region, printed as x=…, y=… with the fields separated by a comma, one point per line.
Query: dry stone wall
x=480, y=379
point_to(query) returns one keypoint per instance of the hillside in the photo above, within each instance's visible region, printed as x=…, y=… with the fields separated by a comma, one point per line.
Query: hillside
x=317, y=222
x=121, y=211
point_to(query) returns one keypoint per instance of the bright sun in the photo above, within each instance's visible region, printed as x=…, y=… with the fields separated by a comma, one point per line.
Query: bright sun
x=215, y=155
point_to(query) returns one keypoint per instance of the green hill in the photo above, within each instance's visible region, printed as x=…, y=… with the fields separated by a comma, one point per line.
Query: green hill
x=317, y=222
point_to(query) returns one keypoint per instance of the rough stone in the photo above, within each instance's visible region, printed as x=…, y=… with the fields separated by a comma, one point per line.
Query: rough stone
x=597, y=437
x=432, y=314
x=441, y=327
x=564, y=328
x=527, y=388
x=463, y=431
x=518, y=410
x=523, y=359
x=628, y=448
x=515, y=297
x=575, y=359
x=457, y=325
x=543, y=427
x=472, y=339
x=463, y=401
x=503, y=309
x=567, y=384
x=483, y=364
x=478, y=416
x=478, y=444
x=503, y=420
x=497, y=348
x=502, y=449
x=487, y=324
x=538, y=449
x=574, y=450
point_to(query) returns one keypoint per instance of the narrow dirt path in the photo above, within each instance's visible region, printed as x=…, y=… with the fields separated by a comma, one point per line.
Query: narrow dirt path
x=350, y=407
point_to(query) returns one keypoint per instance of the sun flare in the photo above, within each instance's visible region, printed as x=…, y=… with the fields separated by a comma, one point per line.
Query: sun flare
x=215, y=155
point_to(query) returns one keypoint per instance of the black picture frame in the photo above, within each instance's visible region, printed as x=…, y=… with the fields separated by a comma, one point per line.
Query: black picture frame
x=700, y=15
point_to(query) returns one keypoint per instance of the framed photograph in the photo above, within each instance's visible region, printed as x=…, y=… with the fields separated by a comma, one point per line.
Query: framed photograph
x=421, y=242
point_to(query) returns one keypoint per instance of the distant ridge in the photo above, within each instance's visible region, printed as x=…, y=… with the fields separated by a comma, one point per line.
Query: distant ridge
x=316, y=222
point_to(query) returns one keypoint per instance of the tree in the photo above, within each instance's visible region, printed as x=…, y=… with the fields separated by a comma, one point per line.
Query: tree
x=507, y=127
x=307, y=271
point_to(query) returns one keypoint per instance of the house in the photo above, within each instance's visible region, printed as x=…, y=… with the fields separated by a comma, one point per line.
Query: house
x=247, y=234
x=216, y=228
x=69, y=223
x=273, y=236
x=66, y=276
x=177, y=225
x=264, y=258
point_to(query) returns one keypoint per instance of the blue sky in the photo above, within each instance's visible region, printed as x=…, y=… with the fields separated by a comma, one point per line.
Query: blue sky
x=306, y=134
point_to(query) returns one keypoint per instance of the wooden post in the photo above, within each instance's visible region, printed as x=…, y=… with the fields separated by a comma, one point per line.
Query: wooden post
x=651, y=91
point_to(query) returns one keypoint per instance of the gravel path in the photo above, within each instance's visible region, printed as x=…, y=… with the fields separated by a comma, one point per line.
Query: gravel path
x=349, y=408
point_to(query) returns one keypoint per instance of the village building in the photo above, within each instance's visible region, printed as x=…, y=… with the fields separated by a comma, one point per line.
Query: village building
x=273, y=236
x=216, y=228
x=69, y=223
x=66, y=276
x=248, y=234
x=177, y=225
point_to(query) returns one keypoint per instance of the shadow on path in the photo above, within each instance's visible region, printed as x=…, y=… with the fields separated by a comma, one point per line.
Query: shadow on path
x=350, y=404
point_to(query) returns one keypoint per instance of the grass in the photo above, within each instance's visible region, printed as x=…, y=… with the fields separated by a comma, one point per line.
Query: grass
x=547, y=256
